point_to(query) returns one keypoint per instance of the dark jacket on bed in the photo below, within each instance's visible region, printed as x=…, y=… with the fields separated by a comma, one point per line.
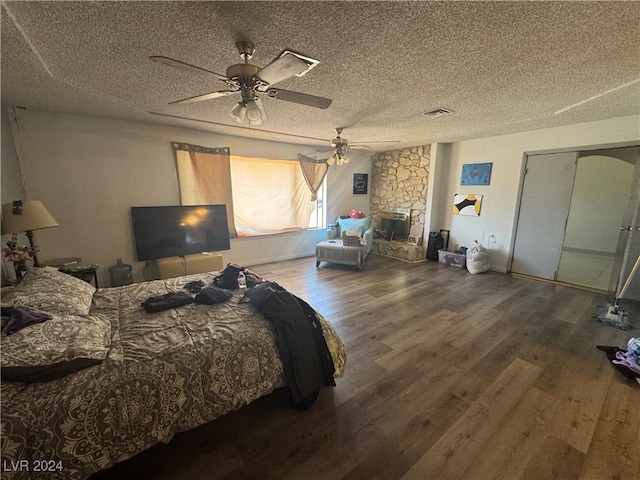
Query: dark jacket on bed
x=307, y=362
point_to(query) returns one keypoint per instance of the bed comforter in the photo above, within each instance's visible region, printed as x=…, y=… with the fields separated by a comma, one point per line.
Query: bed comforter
x=161, y=373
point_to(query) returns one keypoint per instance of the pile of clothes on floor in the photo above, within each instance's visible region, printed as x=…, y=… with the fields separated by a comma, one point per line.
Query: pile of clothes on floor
x=626, y=361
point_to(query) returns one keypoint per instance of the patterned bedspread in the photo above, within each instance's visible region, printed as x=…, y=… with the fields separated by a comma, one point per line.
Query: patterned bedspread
x=163, y=373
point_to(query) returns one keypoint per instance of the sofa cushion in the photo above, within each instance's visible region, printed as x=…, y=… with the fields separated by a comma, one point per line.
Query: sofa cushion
x=359, y=225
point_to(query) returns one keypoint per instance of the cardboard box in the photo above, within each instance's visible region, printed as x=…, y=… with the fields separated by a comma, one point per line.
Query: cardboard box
x=350, y=240
x=454, y=259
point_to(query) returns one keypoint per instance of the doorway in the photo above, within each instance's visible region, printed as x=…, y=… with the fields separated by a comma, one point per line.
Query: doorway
x=571, y=210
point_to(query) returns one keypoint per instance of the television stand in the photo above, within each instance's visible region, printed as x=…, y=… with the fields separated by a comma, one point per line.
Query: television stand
x=171, y=267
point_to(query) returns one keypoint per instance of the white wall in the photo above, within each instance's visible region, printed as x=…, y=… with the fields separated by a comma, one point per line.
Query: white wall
x=497, y=218
x=89, y=172
x=11, y=187
x=341, y=198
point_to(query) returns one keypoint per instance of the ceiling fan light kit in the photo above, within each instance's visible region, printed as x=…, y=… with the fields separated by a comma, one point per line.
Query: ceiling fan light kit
x=252, y=111
x=248, y=79
x=338, y=158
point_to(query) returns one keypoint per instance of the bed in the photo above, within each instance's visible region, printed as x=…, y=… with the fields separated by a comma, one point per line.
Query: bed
x=103, y=379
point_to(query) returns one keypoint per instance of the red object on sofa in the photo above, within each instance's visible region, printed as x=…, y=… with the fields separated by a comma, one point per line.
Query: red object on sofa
x=356, y=214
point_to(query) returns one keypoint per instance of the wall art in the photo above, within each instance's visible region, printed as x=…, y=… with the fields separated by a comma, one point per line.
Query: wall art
x=476, y=174
x=360, y=183
x=414, y=240
x=467, y=204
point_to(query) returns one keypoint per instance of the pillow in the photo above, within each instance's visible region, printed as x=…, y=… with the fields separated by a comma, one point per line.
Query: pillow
x=52, y=349
x=51, y=291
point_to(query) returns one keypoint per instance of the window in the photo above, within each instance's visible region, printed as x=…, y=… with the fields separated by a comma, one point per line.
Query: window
x=318, y=216
x=262, y=195
x=269, y=196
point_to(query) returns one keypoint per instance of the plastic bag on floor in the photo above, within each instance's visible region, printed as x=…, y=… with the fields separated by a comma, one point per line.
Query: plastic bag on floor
x=477, y=258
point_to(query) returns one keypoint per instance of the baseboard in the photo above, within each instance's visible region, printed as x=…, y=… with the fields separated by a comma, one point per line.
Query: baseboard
x=601, y=253
x=556, y=282
x=400, y=259
x=280, y=258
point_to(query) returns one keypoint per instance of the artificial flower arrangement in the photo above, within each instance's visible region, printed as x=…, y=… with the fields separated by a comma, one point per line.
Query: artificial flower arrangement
x=17, y=254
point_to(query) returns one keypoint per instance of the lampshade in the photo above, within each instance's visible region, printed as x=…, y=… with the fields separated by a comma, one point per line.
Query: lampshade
x=238, y=112
x=338, y=158
x=254, y=113
x=33, y=216
x=251, y=110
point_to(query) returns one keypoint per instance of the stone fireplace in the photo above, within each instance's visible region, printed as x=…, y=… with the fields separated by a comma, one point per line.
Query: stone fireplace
x=399, y=181
x=394, y=226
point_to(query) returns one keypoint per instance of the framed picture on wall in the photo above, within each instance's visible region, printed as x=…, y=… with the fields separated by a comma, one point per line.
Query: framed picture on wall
x=414, y=240
x=467, y=204
x=360, y=183
x=476, y=174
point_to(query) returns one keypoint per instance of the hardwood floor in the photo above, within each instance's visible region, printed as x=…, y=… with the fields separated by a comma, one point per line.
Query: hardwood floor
x=449, y=376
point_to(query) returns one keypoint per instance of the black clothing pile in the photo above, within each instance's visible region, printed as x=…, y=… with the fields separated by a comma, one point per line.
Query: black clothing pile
x=212, y=295
x=306, y=359
x=194, y=286
x=166, y=301
x=228, y=279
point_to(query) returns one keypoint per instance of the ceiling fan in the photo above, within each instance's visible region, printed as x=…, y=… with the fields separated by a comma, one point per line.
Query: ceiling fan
x=251, y=80
x=340, y=147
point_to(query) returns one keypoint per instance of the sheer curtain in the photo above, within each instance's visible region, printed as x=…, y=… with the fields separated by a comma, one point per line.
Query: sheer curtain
x=269, y=196
x=204, y=177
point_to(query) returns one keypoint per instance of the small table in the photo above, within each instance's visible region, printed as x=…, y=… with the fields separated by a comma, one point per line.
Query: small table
x=333, y=251
x=88, y=273
x=62, y=262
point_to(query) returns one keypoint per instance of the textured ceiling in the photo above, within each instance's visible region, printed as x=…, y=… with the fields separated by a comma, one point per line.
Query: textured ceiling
x=501, y=67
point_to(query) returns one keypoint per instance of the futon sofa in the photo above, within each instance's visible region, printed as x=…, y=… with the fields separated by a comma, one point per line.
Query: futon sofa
x=332, y=250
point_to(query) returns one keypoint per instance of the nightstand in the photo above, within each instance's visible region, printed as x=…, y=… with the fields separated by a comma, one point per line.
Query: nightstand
x=88, y=273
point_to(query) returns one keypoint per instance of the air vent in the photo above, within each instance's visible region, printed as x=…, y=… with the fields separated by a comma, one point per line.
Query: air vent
x=438, y=112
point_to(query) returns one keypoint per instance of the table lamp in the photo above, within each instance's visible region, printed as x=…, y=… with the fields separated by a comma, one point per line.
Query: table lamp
x=26, y=216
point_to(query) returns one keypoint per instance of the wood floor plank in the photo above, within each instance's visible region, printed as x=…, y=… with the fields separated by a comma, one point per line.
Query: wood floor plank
x=409, y=443
x=449, y=376
x=456, y=450
x=507, y=453
x=614, y=451
x=578, y=411
x=554, y=459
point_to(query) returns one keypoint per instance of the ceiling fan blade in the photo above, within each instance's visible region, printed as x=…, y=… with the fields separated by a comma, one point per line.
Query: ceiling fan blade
x=362, y=150
x=325, y=149
x=202, y=98
x=281, y=68
x=185, y=66
x=309, y=157
x=366, y=144
x=297, y=97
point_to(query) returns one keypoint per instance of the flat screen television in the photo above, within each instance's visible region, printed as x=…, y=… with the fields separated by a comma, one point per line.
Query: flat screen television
x=179, y=230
